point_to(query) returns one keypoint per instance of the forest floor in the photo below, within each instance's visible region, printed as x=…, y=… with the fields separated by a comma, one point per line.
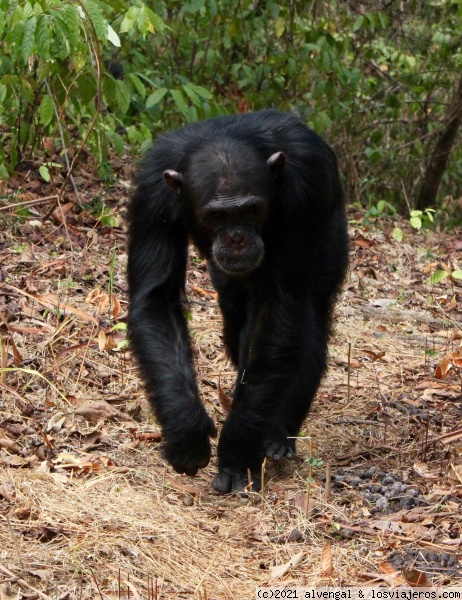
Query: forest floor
x=88, y=508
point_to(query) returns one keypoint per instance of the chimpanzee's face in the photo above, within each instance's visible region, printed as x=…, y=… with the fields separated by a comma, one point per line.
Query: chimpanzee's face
x=226, y=195
x=234, y=223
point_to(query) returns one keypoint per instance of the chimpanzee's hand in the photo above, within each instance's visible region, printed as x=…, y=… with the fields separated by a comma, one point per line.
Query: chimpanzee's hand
x=278, y=443
x=187, y=447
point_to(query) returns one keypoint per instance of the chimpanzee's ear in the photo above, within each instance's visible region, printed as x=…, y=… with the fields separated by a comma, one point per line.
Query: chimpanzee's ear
x=174, y=180
x=277, y=162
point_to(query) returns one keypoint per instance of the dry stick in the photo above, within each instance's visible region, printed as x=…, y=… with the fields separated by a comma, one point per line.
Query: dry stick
x=96, y=584
x=263, y=478
x=207, y=570
x=23, y=582
x=28, y=203
x=310, y=477
x=349, y=372
x=15, y=542
x=328, y=493
x=249, y=479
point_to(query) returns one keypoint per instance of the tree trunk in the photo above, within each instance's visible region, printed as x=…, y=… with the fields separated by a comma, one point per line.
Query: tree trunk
x=441, y=152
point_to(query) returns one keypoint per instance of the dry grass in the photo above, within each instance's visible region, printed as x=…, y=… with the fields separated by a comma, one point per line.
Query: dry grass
x=89, y=510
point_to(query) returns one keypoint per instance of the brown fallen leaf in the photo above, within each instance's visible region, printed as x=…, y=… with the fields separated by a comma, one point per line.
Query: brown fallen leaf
x=115, y=307
x=106, y=341
x=10, y=445
x=99, y=411
x=184, y=487
x=300, y=503
x=8, y=491
x=375, y=355
x=281, y=570
x=224, y=400
x=422, y=470
x=391, y=575
x=327, y=567
x=146, y=437
x=362, y=242
x=415, y=578
x=204, y=293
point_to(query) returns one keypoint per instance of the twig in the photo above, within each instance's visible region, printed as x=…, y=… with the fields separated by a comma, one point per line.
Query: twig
x=207, y=570
x=349, y=373
x=328, y=493
x=28, y=202
x=15, y=542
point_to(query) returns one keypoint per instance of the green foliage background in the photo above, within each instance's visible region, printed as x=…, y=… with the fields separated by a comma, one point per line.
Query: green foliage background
x=375, y=78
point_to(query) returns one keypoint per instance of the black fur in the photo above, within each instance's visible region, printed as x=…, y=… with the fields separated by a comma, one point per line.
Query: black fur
x=274, y=236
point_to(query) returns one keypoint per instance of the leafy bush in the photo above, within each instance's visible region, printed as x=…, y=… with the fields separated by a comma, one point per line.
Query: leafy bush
x=377, y=80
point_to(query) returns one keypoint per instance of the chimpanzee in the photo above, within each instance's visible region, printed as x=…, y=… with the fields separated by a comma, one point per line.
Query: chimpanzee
x=260, y=197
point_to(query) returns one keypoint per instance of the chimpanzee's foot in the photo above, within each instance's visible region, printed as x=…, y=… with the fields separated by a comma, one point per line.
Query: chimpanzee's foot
x=228, y=481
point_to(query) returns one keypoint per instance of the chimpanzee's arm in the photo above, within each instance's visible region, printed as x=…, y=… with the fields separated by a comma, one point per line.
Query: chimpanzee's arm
x=158, y=330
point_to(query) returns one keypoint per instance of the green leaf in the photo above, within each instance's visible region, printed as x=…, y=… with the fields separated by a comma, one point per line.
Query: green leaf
x=398, y=234
x=109, y=91
x=2, y=22
x=200, y=91
x=416, y=222
x=118, y=326
x=46, y=110
x=358, y=23
x=122, y=96
x=156, y=97
x=4, y=172
x=137, y=84
x=457, y=274
x=108, y=221
x=156, y=22
x=381, y=206
x=383, y=19
x=45, y=173
x=28, y=39
x=144, y=24
x=192, y=7
x=43, y=36
x=118, y=143
x=97, y=19
x=179, y=100
x=437, y=277
x=87, y=87
x=392, y=101
x=192, y=95
x=129, y=19
x=3, y=91
x=73, y=20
